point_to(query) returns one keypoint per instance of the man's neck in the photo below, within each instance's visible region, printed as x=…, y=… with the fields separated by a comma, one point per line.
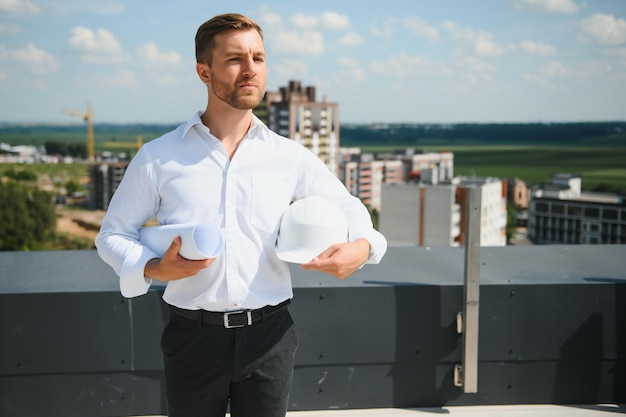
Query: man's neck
x=229, y=127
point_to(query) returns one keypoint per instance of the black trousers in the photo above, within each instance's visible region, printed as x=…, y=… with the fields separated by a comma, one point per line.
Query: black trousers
x=208, y=367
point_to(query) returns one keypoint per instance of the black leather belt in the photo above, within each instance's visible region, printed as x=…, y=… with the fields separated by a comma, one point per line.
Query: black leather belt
x=231, y=319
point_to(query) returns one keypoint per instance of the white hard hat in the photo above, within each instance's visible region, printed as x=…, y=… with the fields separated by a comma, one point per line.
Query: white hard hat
x=308, y=227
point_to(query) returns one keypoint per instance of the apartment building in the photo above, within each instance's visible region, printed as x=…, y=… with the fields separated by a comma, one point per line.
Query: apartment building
x=420, y=166
x=293, y=112
x=493, y=208
x=560, y=213
x=363, y=175
x=426, y=214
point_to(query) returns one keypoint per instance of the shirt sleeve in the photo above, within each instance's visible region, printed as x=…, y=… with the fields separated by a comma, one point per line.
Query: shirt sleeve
x=317, y=179
x=133, y=204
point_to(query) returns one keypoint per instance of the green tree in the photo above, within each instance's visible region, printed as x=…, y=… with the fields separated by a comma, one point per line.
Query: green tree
x=21, y=175
x=27, y=217
x=511, y=222
x=72, y=186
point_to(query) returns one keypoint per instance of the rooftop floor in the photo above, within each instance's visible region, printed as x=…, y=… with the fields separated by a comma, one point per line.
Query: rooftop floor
x=477, y=411
x=533, y=410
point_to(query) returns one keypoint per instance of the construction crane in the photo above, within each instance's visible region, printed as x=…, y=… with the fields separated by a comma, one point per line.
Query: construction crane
x=88, y=118
x=134, y=145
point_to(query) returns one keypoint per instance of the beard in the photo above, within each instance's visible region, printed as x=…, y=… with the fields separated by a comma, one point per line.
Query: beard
x=235, y=97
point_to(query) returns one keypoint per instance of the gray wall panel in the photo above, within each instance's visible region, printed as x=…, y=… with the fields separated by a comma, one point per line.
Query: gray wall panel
x=81, y=395
x=64, y=333
x=549, y=322
x=386, y=337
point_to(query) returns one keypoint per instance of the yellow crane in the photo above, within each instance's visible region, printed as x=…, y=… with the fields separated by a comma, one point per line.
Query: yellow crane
x=88, y=118
x=115, y=144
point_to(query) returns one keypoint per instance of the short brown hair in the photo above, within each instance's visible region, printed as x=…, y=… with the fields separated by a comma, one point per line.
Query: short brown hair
x=205, y=37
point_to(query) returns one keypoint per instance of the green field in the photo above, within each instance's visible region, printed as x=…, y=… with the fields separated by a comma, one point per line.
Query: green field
x=600, y=157
x=598, y=165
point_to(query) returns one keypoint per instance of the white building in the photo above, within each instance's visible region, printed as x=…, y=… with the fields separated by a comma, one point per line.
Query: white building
x=294, y=112
x=435, y=214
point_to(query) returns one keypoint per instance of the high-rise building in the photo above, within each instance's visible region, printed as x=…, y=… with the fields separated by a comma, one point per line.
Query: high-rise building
x=293, y=112
x=104, y=178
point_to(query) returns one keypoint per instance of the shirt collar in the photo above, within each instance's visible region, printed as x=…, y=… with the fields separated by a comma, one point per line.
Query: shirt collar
x=258, y=129
x=191, y=123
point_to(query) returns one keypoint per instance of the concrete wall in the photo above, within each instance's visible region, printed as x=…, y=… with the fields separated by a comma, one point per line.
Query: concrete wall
x=552, y=330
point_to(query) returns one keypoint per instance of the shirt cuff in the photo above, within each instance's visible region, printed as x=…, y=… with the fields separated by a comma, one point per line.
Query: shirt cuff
x=133, y=282
x=378, y=246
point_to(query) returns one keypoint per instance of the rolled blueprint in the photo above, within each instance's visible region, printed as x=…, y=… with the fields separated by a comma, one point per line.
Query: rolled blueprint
x=198, y=241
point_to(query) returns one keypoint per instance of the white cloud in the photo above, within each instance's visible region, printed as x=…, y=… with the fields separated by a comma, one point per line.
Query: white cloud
x=304, y=43
x=290, y=69
x=351, y=39
x=551, y=6
x=545, y=76
x=19, y=7
x=124, y=79
x=618, y=52
x=269, y=19
x=536, y=48
x=480, y=42
x=164, y=79
x=35, y=59
x=9, y=29
x=554, y=69
x=98, y=47
x=353, y=69
x=334, y=21
x=474, y=64
x=325, y=21
x=420, y=28
x=151, y=55
x=474, y=70
x=305, y=22
x=402, y=65
x=604, y=30
x=92, y=7
x=385, y=30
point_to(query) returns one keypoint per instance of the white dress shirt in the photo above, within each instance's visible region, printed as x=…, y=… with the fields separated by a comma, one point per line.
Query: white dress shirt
x=185, y=176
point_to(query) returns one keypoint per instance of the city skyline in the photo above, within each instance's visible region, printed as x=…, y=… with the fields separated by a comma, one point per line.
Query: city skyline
x=448, y=61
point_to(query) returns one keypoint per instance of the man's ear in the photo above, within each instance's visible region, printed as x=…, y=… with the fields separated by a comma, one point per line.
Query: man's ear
x=204, y=73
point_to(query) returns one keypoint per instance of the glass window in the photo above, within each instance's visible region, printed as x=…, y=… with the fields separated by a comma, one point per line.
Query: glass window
x=574, y=211
x=558, y=209
x=592, y=212
x=609, y=214
x=541, y=207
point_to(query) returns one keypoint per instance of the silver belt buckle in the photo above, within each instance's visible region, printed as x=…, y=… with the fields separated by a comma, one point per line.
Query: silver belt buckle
x=227, y=319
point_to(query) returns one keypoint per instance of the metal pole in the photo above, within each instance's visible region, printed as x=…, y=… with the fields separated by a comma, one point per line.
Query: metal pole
x=466, y=375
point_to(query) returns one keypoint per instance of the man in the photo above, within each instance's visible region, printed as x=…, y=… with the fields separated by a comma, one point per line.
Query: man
x=227, y=168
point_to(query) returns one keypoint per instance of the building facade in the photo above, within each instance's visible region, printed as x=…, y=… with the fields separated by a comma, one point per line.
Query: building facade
x=560, y=213
x=422, y=214
x=363, y=175
x=104, y=178
x=293, y=112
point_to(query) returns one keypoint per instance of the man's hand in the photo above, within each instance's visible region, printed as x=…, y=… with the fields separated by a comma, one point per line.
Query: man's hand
x=341, y=259
x=172, y=266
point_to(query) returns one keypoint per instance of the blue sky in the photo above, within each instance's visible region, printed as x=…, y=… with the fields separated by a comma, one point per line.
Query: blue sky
x=438, y=61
